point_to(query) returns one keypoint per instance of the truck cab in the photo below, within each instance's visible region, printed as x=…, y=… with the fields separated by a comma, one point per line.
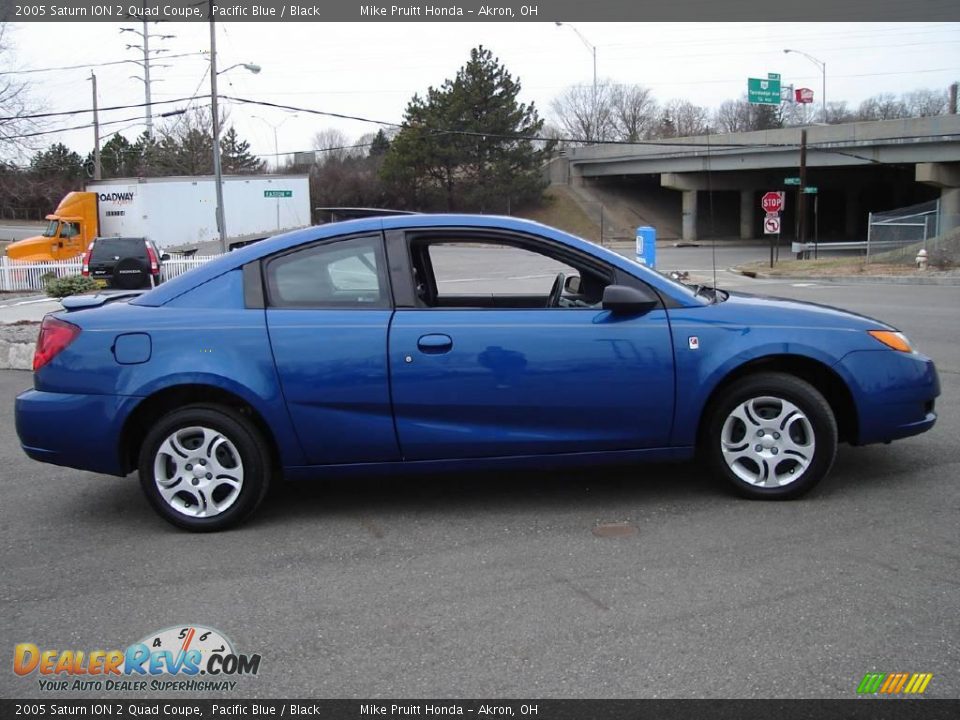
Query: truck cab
x=70, y=229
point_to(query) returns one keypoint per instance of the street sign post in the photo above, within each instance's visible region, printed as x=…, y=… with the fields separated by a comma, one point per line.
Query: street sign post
x=764, y=91
x=771, y=227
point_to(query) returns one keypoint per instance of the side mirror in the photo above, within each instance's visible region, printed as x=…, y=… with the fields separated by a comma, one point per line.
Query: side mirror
x=164, y=257
x=572, y=285
x=625, y=300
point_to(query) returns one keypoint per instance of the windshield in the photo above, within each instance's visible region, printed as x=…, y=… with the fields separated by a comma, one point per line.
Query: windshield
x=683, y=288
x=51, y=230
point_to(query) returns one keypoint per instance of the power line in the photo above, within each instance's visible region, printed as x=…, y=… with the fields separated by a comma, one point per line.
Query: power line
x=91, y=65
x=87, y=110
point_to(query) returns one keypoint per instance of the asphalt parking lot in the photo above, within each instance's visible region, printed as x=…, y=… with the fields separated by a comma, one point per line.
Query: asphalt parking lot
x=480, y=586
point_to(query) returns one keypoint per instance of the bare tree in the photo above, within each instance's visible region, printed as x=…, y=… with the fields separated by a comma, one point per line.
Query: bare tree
x=634, y=112
x=17, y=106
x=794, y=114
x=333, y=145
x=925, y=103
x=885, y=106
x=681, y=118
x=838, y=113
x=586, y=114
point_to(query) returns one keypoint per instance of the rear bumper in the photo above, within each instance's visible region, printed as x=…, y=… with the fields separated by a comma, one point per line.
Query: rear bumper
x=77, y=431
x=894, y=393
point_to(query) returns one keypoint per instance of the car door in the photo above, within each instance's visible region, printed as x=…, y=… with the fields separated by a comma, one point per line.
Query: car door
x=490, y=372
x=328, y=308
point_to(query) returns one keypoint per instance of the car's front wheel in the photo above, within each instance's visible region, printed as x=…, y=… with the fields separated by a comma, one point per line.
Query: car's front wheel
x=772, y=436
x=204, y=467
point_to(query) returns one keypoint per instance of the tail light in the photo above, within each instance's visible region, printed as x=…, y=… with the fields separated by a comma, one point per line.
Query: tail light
x=152, y=257
x=85, y=271
x=55, y=335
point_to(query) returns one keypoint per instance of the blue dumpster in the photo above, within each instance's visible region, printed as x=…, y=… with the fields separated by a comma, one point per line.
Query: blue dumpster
x=647, y=246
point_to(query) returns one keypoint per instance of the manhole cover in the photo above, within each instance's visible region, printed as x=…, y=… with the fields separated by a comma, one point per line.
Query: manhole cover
x=614, y=529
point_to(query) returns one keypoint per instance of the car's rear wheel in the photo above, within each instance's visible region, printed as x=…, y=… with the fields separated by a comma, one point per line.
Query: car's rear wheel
x=772, y=436
x=204, y=467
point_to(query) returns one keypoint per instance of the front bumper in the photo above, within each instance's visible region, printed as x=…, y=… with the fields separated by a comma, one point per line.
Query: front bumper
x=894, y=393
x=77, y=431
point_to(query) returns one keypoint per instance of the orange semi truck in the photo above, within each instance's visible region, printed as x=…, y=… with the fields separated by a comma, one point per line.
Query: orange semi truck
x=169, y=211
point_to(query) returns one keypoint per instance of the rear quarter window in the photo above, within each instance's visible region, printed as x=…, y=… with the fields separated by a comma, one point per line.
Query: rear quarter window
x=109, y=248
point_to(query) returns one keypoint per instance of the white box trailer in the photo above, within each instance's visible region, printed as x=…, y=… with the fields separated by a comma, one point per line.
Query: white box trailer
x=181, y=211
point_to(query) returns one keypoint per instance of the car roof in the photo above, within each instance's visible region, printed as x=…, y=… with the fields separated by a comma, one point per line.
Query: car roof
x=278, y=243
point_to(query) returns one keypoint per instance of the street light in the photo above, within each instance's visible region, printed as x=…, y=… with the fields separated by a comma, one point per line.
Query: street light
x=252, y=67
x=823, y=70
x=593, y=51
x=217, y=170
x=275, y=127
x=276, y=150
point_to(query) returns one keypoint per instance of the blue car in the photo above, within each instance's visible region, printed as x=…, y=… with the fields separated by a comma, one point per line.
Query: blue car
x=440, y=342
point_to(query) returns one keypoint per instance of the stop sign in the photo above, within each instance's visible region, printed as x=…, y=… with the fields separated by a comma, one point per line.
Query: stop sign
x=772, y=202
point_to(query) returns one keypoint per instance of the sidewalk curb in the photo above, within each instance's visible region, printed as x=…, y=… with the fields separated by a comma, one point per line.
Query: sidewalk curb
x=953, y=281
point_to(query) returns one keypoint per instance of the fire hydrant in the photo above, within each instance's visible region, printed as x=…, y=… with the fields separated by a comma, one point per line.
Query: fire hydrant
x=922, y=259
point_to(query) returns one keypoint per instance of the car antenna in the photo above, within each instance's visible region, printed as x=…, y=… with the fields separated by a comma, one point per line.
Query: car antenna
x=713, y=235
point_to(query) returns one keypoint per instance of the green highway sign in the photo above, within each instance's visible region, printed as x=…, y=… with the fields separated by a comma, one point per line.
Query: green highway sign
x=764, y=91
x=791, y=181
x=277, y=193
x=809, y=190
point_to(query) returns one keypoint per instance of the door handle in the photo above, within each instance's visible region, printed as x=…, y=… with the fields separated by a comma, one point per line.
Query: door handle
x=435, y=343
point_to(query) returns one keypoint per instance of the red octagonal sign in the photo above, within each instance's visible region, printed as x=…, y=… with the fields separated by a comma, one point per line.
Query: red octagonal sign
x=772, y=202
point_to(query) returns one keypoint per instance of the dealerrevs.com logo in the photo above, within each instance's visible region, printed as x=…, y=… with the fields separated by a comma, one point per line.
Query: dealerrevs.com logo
x=181, y=658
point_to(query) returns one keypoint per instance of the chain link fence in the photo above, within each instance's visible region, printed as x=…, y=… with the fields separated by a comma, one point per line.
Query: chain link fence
x=897, y=236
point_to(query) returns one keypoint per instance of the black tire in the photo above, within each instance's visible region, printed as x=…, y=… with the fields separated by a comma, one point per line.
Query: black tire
x=130, y=274
x=255, y=464
x=753, y=472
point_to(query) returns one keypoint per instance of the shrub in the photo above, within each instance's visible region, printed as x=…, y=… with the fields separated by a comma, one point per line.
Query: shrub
x=70, y=285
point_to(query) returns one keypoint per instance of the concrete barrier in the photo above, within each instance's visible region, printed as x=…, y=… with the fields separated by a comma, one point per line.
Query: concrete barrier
x=17, y=343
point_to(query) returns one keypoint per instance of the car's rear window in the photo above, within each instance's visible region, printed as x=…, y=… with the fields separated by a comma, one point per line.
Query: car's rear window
x=109, y=248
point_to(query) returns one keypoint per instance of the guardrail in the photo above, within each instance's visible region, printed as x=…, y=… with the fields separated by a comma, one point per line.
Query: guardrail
x=861, y=245
x=21, y=276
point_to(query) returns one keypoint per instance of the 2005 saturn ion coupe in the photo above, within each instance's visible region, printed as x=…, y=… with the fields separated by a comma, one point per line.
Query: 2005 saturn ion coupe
x=451, y=341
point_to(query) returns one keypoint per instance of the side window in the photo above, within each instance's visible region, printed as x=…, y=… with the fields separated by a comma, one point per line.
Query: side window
x=475, y=274
x=69, y=230
x=342, y=274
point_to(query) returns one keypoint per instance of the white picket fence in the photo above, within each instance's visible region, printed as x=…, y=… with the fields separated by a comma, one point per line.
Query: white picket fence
x=18, y=275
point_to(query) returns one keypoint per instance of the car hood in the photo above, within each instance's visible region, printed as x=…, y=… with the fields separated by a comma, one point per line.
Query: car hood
x=777, y=310
x=34, y=248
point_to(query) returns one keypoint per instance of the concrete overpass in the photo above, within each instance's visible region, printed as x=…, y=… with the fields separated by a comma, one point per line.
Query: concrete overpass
x=855, y=165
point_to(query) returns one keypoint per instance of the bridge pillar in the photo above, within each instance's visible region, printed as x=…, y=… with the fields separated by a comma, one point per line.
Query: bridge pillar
x=689, y=224
x=945, y=176
x=748, y=209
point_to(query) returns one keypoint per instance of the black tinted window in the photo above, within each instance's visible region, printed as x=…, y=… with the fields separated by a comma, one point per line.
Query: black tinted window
x=109, y=248
x=348, y=273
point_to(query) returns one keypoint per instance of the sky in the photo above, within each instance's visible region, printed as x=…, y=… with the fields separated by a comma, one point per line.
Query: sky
x=371, y=70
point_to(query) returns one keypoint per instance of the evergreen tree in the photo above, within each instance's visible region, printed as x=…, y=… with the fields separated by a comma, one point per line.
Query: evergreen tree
x=379, y=145
x=235, y=155
x=469, y=143
x=59, y=161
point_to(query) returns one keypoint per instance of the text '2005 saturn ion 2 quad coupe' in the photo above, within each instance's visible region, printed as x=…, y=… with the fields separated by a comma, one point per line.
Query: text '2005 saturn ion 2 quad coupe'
x=438, y=342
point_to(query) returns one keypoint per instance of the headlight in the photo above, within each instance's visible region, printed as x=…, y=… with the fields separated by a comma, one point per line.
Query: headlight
x=894, y=340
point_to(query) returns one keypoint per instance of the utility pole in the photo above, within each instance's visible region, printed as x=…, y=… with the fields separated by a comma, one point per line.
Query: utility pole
x=145, y=64
x=801, y=194
x=217, y=171
x=96, y=131
x=146, y=78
